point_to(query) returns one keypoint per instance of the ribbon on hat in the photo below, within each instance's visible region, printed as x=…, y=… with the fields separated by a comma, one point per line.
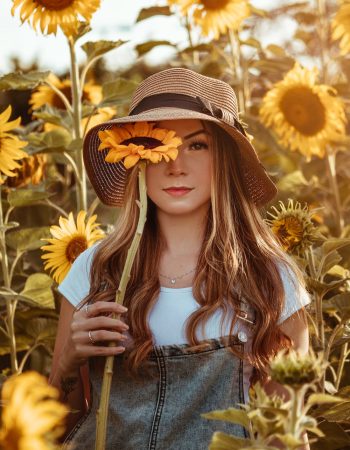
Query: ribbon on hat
x=198, y=104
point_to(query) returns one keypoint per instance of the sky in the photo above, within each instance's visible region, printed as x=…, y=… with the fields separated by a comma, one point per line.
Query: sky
x=113, y=21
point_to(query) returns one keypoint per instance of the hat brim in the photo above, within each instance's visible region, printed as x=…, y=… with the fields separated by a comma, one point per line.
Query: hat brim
x=109, y=180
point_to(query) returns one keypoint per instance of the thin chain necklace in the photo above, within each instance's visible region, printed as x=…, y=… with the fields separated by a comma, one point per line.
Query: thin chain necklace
x=173, y=279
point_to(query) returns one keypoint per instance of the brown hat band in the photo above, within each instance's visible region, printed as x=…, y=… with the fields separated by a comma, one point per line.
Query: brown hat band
x=197, y=104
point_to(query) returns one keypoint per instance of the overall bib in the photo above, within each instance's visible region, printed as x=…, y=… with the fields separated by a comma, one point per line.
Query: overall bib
x=162, y=410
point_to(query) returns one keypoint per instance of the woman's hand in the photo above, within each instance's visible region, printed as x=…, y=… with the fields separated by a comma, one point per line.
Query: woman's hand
x=91, y=329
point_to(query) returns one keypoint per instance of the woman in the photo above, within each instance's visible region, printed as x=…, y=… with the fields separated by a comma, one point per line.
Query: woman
x=211, y=297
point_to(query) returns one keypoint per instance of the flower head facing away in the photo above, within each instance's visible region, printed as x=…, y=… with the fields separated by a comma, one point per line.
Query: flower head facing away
x=293, y=226
x=69, y=240
x=305, y=115
x=341, y=26
x=131, y=142
x=32, y=417
x=53, y=14
x=215, y=16
x=10, y=145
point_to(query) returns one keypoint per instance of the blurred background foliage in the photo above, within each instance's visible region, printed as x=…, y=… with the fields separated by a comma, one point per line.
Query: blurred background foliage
x=306, y=154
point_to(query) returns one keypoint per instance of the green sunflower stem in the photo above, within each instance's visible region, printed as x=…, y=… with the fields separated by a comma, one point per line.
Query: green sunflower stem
x=238, y=70
x=102, y=412
x=341, y=364
x=81, y=191
x=10, y=303
x=332, y=174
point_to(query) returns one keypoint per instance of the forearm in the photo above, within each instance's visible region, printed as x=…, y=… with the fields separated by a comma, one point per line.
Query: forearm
x=68, y=382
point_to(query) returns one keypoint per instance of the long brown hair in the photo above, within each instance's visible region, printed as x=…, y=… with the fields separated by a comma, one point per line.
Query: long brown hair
x=238, y=250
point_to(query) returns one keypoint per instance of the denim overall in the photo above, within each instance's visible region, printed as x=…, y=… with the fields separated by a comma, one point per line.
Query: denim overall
x=162, y=410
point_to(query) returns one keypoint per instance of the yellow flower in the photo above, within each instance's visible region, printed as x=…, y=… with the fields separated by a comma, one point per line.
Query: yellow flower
x=32, y=418
x=10, y=145
x=44, y=95
x=51, y=14
x=293, y=226
x=216, y=16
x=69, y=240
x=295, y=369
x=31, y=171
x=141, y=140
x=305, y=115
x=341, y=26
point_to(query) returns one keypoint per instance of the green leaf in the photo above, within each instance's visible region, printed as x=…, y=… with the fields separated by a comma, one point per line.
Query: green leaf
x=42, y=329
x=99, y=48
x=27, y=239
x=334, y=244
x=232, y=415
x=9, y=226
x=148, y=46
x=223, y=441
x=293, y=180
x=23, y=342
x=118, y=91
x=342, y=303
x=54, y=115
x=26, y=197
x=330, y=260
x=146, y=13
x=319, y=399
x=22, y=81
x=276, y=50
x=38, y=290
x=289, y=440
x=335, y=437
x=197, y=48
x=51, y=141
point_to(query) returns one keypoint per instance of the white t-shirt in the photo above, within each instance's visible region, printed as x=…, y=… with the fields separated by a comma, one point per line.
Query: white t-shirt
x=173, y=306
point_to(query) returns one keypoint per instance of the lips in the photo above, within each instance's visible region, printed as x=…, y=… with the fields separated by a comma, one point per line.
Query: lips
x=178, y=191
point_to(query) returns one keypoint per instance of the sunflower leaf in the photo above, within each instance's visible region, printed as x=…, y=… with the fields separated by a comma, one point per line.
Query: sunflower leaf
x=28, y=238
x=99, y=48
x=117, y=91
x=334, y=244
x=51, y=141
x=232, y=415
x=26, y=197
x=38, y=290
x=147, y=46
x=146, y=13
x=22, y=81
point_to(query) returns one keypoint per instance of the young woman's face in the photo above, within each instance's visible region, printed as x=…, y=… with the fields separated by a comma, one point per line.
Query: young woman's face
x=191, y=171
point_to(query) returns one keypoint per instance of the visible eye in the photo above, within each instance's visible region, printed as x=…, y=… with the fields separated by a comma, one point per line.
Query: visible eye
x=198, y=145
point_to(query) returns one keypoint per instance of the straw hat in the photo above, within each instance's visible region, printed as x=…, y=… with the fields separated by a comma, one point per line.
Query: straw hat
x=177, y=93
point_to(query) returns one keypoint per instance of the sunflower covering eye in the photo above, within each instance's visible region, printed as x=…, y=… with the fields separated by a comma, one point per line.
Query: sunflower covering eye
x=215, y=16
x=141, y=140
x=305, y=115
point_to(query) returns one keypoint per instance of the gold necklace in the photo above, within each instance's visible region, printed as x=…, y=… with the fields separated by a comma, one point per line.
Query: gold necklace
x=173, y=279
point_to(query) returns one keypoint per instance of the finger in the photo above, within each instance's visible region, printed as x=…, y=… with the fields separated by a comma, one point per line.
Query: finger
x=98, y=308
x=101, y=322
x=87, y=351
x=103, y=335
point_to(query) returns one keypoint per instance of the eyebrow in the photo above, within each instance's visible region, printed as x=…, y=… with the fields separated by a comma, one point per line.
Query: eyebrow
x=195, y=134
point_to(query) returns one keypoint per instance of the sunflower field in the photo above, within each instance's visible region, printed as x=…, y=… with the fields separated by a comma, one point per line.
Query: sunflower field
x=294, y=100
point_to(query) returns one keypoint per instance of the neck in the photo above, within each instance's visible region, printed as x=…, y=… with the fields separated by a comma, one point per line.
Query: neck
x=183, y=234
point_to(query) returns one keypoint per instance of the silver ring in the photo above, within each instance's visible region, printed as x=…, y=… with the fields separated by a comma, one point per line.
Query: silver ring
x=91, y=339
x=86, y=308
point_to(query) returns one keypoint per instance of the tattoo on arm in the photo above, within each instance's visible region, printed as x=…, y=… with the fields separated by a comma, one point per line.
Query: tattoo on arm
x=68, y=385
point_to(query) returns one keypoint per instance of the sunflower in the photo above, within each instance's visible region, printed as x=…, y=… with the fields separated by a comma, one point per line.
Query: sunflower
x=32, y=171
x=32, y=417
x=10, y=145
x=44, y=95
x=69, y=240
x=305, y=115
x=216, y=16
x=50, y=14
x=293, y=226
x=141, y=140
x=341, y=26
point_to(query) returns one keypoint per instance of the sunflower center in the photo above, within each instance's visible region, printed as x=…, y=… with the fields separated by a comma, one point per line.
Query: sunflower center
x=290, y=227
x=147, y=142
x=55, y=5
x=76, y=246
x=215, y=4
x=304, y=110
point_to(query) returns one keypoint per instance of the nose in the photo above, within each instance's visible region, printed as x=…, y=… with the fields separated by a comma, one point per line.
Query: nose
x=176, y=167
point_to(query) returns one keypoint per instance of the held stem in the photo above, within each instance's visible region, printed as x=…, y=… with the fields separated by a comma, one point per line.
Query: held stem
x=102, y=412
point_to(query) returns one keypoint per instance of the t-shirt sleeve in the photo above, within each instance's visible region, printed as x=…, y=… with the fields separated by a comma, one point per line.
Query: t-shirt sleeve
x=76, y=284
x=296, y=296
